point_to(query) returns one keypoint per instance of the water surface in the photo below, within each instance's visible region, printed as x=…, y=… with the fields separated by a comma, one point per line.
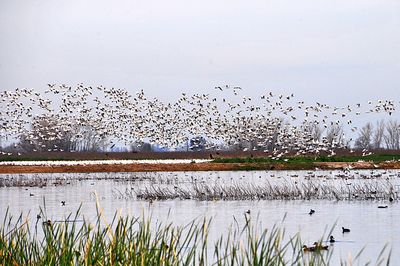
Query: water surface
x=370, y=226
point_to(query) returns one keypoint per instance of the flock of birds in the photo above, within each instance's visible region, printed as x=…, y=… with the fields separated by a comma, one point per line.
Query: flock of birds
x=275, y=124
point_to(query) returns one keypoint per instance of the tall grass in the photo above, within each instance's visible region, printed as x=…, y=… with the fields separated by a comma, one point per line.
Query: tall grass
x=140, y=241
x=135, y=241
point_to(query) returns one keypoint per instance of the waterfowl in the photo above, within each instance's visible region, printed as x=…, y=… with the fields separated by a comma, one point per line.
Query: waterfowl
x=311, y=212
x=114, y=113
x=48, y=223
x=332, y=239
x=382, y=206
x=308, y=249
x=345, y=230
x=319, y=246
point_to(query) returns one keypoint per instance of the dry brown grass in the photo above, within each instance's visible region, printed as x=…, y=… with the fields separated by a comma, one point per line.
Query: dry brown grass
x=13, y=169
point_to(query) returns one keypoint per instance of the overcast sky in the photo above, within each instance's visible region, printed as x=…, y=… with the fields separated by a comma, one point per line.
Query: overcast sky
x=329, y=51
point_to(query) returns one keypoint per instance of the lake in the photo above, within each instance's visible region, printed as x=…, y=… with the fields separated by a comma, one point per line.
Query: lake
x=361, y=194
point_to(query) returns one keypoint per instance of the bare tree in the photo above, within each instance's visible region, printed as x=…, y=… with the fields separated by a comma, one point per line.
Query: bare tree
x=364, y=140
x=86, y=138
x=334, y=135
x=392, y=135
x=378, y=134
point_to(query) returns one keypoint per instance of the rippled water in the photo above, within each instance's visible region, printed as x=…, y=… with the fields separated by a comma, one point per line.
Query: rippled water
x=371, y=227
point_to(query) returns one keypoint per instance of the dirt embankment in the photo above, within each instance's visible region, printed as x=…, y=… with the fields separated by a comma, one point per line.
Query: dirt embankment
x=118, y=168
x=15, y=169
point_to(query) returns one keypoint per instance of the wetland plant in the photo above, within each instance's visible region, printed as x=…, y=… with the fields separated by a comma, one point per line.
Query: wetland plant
x=309, y=190
x=142, y=241
x=137, y=241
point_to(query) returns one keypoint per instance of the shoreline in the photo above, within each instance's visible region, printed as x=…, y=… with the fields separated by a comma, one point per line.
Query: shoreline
x=184, y=167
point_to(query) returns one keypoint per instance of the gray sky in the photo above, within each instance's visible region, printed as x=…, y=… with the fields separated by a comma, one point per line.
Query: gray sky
x=330, y=51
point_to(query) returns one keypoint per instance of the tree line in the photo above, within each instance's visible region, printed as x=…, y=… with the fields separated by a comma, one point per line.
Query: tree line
x=45, y=135
x=381, y=135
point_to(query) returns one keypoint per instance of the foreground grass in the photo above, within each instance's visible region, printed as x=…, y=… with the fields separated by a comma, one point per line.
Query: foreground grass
x=134, y=241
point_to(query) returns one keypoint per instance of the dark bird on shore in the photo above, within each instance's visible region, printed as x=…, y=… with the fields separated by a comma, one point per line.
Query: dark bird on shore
x=332, y=239
x=382, y=206
x=63, y=203
x=391, y=199
x=31, y=194
x=311, y=212
x=345, y=230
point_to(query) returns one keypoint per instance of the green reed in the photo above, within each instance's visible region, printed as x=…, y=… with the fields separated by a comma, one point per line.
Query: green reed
x=141, y=241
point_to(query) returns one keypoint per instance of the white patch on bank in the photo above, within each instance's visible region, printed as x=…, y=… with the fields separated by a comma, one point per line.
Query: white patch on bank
x=96, y=162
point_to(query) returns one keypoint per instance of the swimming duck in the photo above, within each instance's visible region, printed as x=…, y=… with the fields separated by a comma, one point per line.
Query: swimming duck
x=308, y=249
x=311, y=212
x=332, y=239
x=319, y=246
x=345, y=230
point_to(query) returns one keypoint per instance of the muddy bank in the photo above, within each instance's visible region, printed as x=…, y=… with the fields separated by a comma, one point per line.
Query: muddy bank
x=15, y=169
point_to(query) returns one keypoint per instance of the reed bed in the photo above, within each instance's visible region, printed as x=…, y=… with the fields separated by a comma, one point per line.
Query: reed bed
x=134, y=241
x=22, y=181
x=60, y=179
x=140, y=241
x=307, y=190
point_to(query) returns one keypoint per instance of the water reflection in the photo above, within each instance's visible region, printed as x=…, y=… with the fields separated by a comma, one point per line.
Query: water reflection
x=370, y=226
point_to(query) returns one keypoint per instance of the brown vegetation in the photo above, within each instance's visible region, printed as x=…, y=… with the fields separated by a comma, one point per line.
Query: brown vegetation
x=192, y=167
